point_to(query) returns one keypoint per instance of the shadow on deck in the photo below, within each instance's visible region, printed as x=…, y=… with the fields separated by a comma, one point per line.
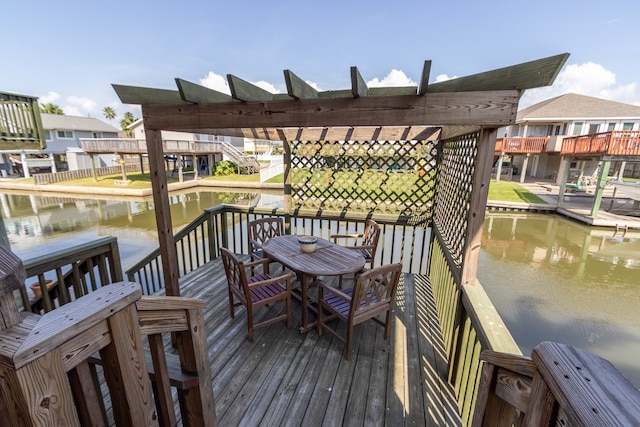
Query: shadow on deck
x=288, y=378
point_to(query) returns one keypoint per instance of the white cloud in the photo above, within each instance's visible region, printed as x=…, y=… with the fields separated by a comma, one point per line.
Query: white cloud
x=84, y=106
x=216, y=82
x=444, y=78
x=394, y=78
x=266, y=86
x=49, y=97
x=313, y=85
x=585, y=79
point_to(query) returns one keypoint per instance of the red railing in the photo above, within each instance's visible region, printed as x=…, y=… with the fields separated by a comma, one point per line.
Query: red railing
x=617, y=142
x=522, y=145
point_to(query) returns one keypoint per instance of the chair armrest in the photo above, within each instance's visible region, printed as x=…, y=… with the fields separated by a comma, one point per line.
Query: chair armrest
x=336, y=237
x=261, y=261
x=333, y=290
x=255, y=243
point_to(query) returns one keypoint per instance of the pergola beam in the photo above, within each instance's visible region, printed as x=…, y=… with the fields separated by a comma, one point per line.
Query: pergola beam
x=494, y=108
x=194, y=93
x=245, y=91
x=298, y=88
x=358, y=85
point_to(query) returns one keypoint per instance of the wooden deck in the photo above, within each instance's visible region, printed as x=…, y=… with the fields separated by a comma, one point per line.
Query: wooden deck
x=288, y=378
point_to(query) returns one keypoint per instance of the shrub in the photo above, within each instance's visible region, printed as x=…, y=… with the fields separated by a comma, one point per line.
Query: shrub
x=225, y=167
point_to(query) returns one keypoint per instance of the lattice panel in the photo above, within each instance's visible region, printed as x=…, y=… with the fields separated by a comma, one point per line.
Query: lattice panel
x=384, y=177
x=455, y=181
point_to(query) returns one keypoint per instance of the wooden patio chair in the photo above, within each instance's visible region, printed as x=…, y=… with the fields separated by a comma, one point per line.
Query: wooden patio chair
x=255, y=291
x=372, y=294
x=260, y=230
x=366, y=243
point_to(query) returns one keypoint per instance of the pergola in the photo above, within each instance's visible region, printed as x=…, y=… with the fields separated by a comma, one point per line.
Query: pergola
x=464, y=113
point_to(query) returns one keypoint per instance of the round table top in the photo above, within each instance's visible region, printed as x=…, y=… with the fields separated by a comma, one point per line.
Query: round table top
x=329, y=259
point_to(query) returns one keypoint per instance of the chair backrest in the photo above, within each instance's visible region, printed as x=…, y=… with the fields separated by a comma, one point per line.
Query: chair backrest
x=375, y=289
x=261, y=230
x=370, y=237
x=236, y=274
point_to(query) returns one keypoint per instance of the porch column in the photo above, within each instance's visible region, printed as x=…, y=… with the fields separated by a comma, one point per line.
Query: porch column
x=477, y=205
x=25, y=167
x=53, y=163
x=499, y=167
x=523, y=172
x=563, y=176
x=196, y=167
x=93, y=168
x=602, y=180
x=141, y=164
x=122, y=168
x=162, y=211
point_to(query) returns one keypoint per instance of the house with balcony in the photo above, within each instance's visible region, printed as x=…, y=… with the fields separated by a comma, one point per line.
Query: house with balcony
x=558, y=137
x=62, y=150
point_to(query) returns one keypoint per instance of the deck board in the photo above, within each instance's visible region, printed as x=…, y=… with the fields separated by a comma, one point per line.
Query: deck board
x=291, y=379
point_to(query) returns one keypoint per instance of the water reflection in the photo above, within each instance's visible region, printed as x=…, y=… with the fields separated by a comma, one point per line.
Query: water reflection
x=42, y=224
x=553, y=279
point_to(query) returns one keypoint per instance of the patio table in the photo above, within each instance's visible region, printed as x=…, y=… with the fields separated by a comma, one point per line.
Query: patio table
x=329, y=259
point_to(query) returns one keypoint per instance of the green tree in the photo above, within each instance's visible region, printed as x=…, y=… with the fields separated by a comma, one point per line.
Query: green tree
x=127, y=119
x=109, y=113
x=50, y=108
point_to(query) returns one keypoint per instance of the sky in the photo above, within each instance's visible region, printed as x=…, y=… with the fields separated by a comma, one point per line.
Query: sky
x=70, y=52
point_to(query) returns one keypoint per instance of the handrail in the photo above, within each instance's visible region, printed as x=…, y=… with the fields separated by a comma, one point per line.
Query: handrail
x=620, y=142
x=82, y=269
x=226, y=225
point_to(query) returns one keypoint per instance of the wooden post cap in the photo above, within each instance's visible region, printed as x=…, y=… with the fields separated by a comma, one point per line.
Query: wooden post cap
x=12, y=272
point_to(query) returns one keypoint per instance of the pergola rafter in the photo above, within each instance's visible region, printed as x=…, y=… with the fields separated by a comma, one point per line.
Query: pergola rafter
x=474, y=104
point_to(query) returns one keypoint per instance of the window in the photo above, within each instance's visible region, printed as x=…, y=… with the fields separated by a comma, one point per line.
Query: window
x=97, y=134
x=611, y=127
x=47, y=135
x=557, y=132
x=627, y=126
x=65, y=134
x=593, y=128
x=577, y=128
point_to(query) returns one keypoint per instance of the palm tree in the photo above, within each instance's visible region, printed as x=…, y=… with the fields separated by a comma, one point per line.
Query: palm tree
x=126, y=121
x=50, y=108
x=109, y=113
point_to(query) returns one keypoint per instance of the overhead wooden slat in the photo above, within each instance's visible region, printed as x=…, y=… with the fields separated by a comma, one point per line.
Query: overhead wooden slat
x=424, y=78
x=345, y=93
x=497, y=108
x=358, y=85
x=298, y=88
x=392, y=91
x=528, y=75
x=245, y=91
x=191, y=92
x=147, y=96
x=370, y=133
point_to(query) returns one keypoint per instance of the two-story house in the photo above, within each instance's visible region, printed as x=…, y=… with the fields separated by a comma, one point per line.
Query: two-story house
x=62, y=137
x=551, y=136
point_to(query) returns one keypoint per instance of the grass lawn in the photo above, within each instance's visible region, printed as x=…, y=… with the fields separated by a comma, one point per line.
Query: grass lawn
x=138, y=181
x=506, y=191
x=503, y=191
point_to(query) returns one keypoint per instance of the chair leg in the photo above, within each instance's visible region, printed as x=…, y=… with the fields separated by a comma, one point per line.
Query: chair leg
x=289, y=311
x=250, y=323
x=387, y=325
x=319, y=314
x=349, y=342
x=232, y=310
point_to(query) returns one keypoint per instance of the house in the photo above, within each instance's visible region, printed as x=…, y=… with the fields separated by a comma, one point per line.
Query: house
x=535, y=142
x=62, y=137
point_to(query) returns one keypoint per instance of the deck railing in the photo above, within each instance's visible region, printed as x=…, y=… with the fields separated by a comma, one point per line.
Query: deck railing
x=69, y=274
x=614, y=143
x=522, y=145
x=200, y=241
x=468, y=321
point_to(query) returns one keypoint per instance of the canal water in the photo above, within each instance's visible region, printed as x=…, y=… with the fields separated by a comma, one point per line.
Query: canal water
x=550, y=278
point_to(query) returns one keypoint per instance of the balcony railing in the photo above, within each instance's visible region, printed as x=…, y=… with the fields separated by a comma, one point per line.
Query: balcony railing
x=518, y=145
x=614, y=143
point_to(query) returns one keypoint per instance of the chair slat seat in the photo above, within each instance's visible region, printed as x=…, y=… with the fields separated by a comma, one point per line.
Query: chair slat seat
x=372, y=294
x=257, y=290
